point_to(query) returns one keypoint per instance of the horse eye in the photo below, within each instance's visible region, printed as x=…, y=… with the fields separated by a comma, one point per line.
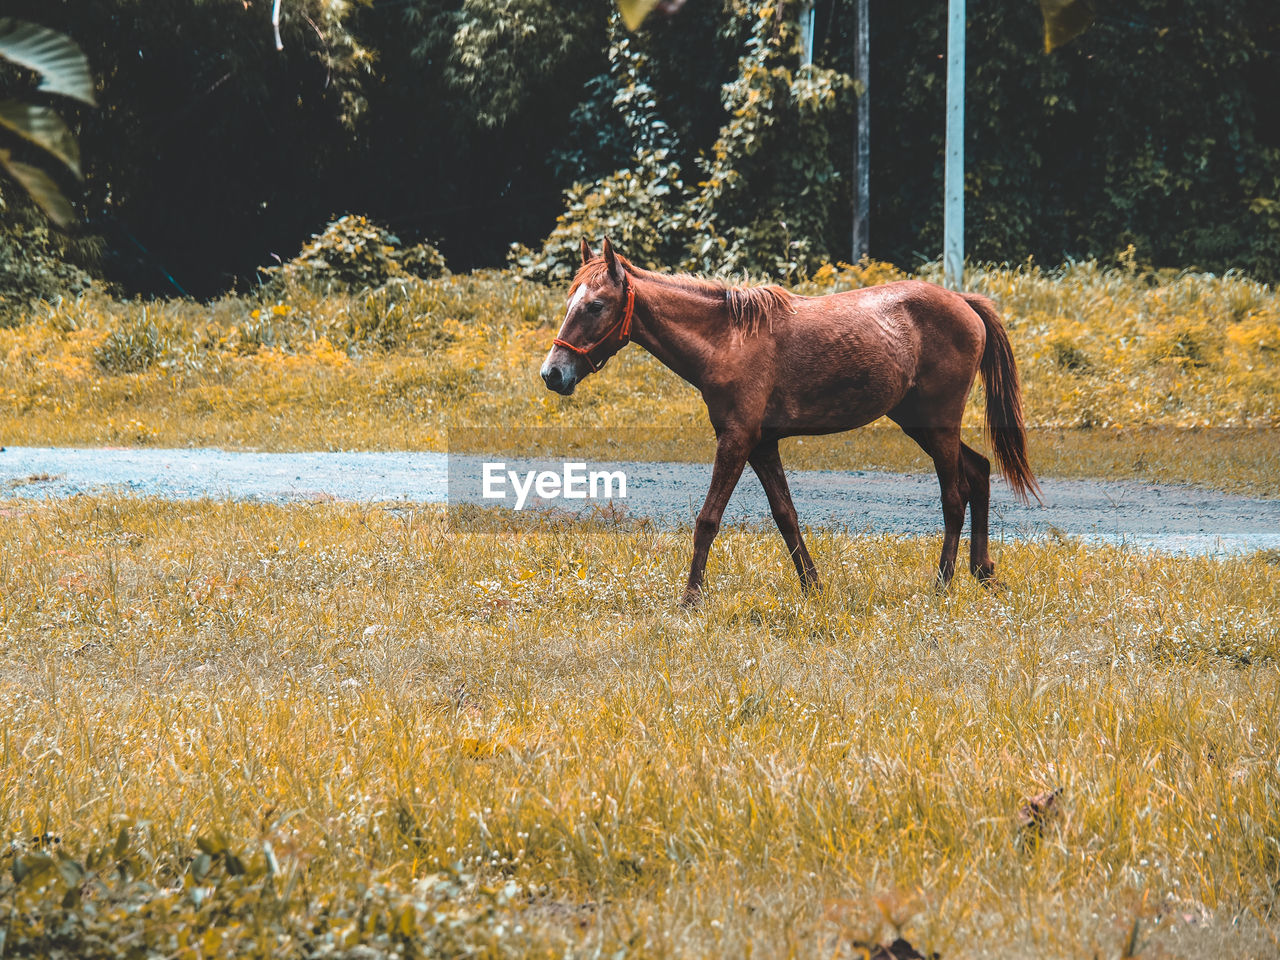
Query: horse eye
x=595, y=306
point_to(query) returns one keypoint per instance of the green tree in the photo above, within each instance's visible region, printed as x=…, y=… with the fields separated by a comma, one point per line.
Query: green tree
x=768, y=190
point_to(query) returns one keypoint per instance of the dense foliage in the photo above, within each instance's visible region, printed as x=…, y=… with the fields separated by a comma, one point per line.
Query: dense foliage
x=767, y=191
x=696, y=141
x=34, y=131
x=36, y=262
x=1151, y=128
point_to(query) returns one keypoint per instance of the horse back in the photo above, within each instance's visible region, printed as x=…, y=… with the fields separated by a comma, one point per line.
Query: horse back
x=848, y=358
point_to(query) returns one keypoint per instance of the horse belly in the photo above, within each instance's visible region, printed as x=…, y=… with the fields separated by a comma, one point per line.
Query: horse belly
x=841, y=384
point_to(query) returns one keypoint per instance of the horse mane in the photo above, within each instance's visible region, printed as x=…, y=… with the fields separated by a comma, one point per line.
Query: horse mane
x=749, y=306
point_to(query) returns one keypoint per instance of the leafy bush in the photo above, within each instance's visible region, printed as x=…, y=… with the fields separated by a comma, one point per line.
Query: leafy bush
x=769, y=193
x=639, y=207
x=136, y=343
x=423, y=261
x=1196, y=344
x=352, y=253
x=34, y=264
x=633, y=207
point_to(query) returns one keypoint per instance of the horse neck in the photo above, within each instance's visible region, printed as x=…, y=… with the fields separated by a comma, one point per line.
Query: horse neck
x=685, y=328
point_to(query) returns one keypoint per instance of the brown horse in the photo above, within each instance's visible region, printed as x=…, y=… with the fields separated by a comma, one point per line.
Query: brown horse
x=771, y=364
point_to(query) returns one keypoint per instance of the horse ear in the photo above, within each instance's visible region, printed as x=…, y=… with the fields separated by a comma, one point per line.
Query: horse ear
x=611, y=258
x=586, y=252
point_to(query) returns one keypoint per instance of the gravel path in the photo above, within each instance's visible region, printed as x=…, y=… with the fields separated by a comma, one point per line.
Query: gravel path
x=1177, y=519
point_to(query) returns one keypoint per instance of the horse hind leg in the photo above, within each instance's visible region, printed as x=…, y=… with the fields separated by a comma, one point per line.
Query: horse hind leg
x=978, y=470
x=943, y=445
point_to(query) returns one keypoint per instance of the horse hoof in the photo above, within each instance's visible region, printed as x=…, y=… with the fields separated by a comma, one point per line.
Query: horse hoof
x=993, y=584
x=691, y=599
x=986, y=575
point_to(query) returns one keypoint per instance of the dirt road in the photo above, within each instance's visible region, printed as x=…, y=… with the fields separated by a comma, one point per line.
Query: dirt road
x=1177, y=519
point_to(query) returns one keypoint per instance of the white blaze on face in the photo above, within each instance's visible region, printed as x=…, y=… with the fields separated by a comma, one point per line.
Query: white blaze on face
x=573, y=302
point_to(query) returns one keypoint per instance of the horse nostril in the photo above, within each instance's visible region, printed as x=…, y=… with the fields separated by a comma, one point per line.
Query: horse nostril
x=552, y=377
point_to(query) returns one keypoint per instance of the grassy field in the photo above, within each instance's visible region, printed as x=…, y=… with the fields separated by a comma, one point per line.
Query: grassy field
x=1161, y=377
x=291, y=731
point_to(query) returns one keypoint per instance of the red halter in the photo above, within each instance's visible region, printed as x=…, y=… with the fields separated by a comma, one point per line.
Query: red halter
x=624, y=322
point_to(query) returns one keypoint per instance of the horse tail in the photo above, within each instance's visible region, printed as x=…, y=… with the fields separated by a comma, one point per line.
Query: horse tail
x=1006, y=430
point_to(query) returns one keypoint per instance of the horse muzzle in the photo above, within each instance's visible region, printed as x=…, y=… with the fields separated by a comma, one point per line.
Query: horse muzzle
x=560, y=378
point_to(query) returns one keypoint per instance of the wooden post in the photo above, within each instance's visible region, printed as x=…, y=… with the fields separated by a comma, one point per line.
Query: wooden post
x=862, y=138
x=953, y=173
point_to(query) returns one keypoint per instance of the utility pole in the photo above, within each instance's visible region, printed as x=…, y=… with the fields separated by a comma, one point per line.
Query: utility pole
x=806, y=32
x=862, y=137
x=953, y=172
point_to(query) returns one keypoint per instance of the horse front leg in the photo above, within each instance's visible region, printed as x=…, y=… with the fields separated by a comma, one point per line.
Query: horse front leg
x=731, y=457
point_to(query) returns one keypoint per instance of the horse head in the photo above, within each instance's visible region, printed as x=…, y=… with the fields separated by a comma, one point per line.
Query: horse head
x=597, y=323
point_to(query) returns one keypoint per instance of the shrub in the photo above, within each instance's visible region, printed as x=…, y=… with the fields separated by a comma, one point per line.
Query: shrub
x=769, y=188
x=1194, y=344
x=1066, y=353
x=133, y=346
x=423, y=261
x=34, y=266
x=351, y=253
x=632, y=207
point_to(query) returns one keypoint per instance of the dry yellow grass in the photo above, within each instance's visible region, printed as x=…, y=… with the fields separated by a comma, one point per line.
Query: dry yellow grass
x=1162, y=377
x=386, y=732
x=229, y=729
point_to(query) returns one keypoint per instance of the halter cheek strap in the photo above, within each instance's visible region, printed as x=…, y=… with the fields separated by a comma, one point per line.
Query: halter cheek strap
x=624, y=323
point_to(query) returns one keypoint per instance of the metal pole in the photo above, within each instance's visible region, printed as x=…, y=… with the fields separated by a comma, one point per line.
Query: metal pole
x=953, y=174
x=275, y=24
x=806, y=32
x=862, y=140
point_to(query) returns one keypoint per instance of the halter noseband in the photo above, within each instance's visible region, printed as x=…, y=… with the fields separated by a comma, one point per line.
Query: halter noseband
x=624, y=322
